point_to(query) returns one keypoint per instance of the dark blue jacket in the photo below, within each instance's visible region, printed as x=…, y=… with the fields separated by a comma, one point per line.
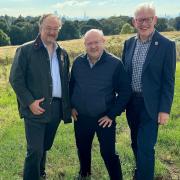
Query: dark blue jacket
x=101, y=90
x=158, y=75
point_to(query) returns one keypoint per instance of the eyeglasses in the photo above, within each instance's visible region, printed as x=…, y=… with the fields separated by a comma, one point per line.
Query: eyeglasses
x=147, y=20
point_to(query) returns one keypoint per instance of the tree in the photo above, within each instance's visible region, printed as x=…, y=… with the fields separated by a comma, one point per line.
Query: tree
x=4, y=39
x=85, y=28
x=16, y=35
x=162, y=24
x=95, y=23
x=68, y=31
x=177, y=23
x=127, y=29
x=3, y=26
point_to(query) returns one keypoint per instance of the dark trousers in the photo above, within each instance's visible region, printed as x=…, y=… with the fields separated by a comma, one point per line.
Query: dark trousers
x=85, y=129
x=40, y=138
x=143, y=136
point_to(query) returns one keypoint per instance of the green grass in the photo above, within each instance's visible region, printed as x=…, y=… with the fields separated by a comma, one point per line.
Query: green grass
x=62, y=162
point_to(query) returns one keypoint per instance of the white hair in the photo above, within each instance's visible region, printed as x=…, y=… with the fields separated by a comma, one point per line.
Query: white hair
x=100, y=32
x=145, y=7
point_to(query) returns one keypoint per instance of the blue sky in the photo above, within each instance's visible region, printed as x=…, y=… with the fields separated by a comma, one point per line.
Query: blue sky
x=79, y=8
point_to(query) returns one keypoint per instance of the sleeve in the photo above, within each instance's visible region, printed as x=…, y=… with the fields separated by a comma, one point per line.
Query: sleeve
x=71, y=84
x=123, y=53
x=18, y=78
x=121, y=83
x=66, y=57
x=168, y=79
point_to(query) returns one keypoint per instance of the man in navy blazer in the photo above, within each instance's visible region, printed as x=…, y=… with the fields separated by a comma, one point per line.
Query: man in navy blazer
x=150, y=60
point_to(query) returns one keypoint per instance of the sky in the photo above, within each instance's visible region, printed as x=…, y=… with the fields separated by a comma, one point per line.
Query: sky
x=81, y=8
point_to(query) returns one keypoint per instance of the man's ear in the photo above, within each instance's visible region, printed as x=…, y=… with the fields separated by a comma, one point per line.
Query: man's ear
x=134, y=22
x=155, y=20
x=104, y=40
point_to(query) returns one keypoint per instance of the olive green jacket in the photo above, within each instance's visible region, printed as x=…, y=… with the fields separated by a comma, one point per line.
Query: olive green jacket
x=31, y=79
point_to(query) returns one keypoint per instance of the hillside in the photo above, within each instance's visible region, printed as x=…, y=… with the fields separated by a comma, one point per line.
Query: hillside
x=62, y=162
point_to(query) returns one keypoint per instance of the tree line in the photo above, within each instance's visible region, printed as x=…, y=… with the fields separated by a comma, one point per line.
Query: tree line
x=16, y=31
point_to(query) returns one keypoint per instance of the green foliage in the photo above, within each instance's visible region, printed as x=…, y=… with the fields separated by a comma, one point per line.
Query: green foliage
x=23, y=29
x=85, y=28
x=177, y=23
x=162, y=24
x=4, y=26
x=127, y=29
x=68, y=31
x=4, y=39
x=95, y=23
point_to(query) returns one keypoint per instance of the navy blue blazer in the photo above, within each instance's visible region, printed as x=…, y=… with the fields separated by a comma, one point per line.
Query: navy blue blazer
x=158, y=75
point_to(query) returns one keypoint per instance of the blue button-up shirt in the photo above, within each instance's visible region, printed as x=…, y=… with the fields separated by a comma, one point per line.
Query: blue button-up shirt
x=55, y=74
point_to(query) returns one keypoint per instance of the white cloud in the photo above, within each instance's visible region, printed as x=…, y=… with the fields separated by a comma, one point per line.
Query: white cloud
x=18, y=1
x=74, y=3
x=102, y=3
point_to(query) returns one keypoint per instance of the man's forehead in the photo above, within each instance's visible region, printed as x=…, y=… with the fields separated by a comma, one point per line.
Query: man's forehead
x=144, y=12
x=93, y=35
x=51, y=19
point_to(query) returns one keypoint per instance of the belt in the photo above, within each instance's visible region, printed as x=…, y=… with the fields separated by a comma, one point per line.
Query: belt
x=137, y=94
x=56, y=99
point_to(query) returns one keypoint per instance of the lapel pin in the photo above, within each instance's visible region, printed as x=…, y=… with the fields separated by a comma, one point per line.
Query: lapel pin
x=156, y=43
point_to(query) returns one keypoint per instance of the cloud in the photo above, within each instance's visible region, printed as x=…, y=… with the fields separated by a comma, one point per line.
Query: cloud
x=102, y=3
x=74, y=3
x=18, y=1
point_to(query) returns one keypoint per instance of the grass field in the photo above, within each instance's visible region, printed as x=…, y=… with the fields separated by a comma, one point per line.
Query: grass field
x=62, y=162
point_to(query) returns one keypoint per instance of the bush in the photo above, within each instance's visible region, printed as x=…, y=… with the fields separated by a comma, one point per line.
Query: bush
x=4, y=39
x=127, y=29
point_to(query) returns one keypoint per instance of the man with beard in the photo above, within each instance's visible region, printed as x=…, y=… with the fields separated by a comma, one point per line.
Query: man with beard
x=39, y=77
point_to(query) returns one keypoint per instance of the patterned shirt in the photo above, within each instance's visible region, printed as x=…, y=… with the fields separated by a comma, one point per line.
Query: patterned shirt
x=138, y=60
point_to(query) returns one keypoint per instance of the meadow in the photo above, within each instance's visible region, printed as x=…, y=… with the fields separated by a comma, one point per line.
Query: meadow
x=62, y=161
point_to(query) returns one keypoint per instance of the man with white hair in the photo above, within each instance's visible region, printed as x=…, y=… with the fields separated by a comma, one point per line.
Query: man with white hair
x=150, y=60
x=99, y=91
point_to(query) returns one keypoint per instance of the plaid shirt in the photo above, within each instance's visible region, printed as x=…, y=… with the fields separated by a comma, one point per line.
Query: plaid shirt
x=138, y=60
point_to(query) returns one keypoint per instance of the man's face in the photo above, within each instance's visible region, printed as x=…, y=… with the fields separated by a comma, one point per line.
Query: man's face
x=49, y=30
x=144, y=22
x=94, y=44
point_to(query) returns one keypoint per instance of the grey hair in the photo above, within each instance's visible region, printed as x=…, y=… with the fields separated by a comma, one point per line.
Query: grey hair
x=100, y=32
x=146, y=7
x=44, y=16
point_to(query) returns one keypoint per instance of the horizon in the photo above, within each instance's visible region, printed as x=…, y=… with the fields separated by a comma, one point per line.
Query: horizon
x=84, y=9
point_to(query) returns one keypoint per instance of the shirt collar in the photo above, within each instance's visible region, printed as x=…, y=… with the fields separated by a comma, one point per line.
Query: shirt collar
x=89, y=60
x=137, y=37
x=55, y=45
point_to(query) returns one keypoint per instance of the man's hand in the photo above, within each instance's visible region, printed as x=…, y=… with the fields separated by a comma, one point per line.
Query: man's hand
x=105, y=122
x=35, y=107
x=163, y=118
x=74, y=114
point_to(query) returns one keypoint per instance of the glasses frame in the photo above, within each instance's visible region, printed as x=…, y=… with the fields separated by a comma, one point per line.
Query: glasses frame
x=147, y=20
x=50, y=29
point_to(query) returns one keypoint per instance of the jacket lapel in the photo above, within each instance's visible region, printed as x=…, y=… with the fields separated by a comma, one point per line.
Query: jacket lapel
x=152, y=50
x=130, y=56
